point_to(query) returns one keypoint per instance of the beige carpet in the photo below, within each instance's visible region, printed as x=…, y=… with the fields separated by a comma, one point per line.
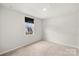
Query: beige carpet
x=44, y=48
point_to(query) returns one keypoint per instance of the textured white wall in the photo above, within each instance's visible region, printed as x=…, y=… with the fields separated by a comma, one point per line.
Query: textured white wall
x=61, y=29
x=12, y=30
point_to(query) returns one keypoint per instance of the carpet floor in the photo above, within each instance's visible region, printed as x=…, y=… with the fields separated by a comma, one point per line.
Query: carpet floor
x=43, y=48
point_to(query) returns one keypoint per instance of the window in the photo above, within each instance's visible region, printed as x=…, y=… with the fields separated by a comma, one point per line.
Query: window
x=29, y=24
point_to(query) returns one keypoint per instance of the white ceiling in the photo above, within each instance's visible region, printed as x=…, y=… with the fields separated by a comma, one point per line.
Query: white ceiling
x=43, y=10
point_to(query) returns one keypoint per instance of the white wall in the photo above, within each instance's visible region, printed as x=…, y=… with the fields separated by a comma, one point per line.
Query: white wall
x=12, y=30
x=78, y=27
x=0, y=37
x=61, y=29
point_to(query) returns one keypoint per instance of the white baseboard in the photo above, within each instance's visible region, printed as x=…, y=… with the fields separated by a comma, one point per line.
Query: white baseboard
x=4, y=52
x=60, y=43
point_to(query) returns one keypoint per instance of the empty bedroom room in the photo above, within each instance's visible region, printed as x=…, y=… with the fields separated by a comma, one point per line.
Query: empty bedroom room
x=39, y=29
